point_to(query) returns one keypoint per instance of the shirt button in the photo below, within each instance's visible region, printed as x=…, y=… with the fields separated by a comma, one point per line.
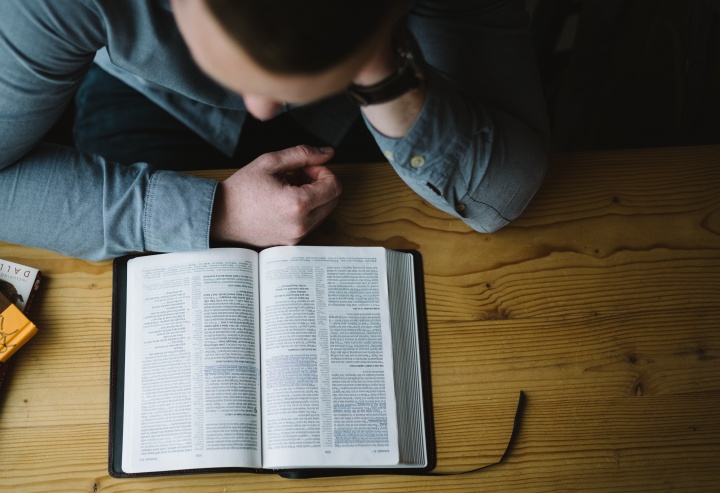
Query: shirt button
x=388, y=155
x=417, y=161
x=459, y=207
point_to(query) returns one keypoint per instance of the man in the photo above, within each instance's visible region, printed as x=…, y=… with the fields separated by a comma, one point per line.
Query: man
x=448, y=89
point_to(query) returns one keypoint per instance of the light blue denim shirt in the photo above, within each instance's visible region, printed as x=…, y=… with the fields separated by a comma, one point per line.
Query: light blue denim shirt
x=477, y=150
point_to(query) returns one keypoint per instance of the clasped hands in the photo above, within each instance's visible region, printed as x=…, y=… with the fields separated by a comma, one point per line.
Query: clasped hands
x=276, y=199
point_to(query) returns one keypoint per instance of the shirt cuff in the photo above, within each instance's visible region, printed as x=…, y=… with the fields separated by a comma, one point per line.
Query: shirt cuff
x=477, y=164
x=178, y=212
x=429, y=156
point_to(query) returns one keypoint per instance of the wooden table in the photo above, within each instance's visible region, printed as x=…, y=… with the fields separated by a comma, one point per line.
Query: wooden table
x=602, y=303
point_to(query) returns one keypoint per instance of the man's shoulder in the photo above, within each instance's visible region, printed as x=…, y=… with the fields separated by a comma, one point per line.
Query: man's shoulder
x=59, y=9
x=78, y=18
x=67, y=20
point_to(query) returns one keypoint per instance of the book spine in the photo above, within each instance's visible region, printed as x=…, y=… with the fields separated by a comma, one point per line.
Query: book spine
x=33, y=290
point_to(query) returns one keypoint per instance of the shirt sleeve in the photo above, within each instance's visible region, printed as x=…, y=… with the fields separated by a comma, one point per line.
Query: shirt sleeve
x=478, y=149
x=59, y=198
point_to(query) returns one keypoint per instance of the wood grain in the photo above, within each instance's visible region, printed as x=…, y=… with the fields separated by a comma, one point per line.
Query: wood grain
x=601, y=303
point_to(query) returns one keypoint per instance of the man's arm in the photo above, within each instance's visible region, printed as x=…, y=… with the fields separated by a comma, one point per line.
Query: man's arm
x=84, y=206
x=472, y=140
x=61, y=199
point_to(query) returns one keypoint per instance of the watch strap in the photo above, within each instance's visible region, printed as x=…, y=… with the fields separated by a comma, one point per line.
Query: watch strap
x=407, y=76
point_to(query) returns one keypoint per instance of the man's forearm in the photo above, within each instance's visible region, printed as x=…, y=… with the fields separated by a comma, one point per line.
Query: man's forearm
x=395, y=118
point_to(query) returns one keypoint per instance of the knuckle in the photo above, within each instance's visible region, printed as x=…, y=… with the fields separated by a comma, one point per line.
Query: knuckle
x=299, y=208
x=267, y=159
x=303, y=150
x=338, y=186
x=298, y=230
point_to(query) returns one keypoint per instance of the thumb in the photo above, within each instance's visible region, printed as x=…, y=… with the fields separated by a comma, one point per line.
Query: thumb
x=298, y=157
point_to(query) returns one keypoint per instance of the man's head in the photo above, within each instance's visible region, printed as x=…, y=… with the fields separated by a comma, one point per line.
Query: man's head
x=277, y=51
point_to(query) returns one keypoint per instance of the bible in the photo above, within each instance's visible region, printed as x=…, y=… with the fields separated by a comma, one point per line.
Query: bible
x=301, y=361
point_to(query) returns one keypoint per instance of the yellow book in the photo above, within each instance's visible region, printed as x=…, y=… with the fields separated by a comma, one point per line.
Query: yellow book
x=15, y=328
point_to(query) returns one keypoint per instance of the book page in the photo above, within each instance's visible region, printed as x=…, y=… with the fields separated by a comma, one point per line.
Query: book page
x=327, y=378
x=407, y=359
x=192, y=369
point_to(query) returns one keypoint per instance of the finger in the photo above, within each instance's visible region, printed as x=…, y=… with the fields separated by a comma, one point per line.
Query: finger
x=297, y=157
x=324, y=188
x=315, y=172
x=316, y=216
x=306, y=175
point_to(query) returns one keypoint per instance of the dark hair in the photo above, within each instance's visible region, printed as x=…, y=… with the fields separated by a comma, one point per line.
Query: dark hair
x=301, y=36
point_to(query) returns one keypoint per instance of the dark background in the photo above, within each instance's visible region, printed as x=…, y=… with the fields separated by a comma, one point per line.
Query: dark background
x=629, y=73
x=617, y=73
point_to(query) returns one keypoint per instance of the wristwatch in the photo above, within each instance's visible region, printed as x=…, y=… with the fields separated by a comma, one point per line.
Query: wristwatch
x=407, y=76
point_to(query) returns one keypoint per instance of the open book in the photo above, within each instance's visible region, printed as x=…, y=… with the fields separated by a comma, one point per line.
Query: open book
x=296, y=359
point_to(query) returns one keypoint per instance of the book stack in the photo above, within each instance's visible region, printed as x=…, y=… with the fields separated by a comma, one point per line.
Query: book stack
x=15, y=329
x=18, y=285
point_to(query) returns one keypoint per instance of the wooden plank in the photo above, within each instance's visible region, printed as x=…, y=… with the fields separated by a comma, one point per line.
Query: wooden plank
x=601, y=303
x=620, y=444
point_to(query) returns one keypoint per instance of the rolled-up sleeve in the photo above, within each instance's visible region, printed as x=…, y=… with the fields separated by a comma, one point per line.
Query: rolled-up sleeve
x=478, y=148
